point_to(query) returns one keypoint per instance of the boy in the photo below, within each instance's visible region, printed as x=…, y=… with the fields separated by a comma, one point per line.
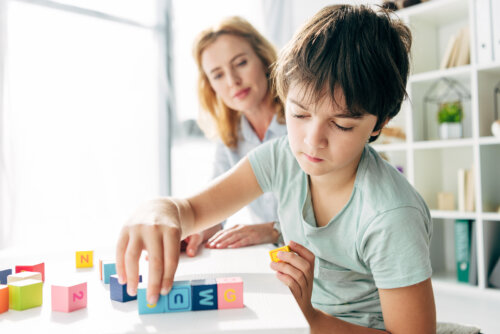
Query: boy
x=360, y=234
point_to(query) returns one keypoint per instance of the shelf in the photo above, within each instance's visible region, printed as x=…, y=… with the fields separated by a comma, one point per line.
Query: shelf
x=449, y=281
x=436, y=12
x=490, y=216
x=489, y=141
x=433, y=144
x=439, y=214
x=492, y=67
x=389, y=147
x=461, y=72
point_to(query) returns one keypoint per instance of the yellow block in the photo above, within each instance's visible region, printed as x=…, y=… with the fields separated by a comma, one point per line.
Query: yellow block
x=84, y=259
x=274, y=253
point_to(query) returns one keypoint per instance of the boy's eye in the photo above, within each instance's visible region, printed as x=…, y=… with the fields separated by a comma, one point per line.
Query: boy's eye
x=299, y=116
x=342, y=128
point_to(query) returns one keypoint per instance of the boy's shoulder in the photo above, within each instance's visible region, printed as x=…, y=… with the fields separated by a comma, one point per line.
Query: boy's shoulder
x=384, y=188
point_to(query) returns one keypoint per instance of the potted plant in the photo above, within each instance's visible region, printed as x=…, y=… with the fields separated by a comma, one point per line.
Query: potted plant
x=450, y=116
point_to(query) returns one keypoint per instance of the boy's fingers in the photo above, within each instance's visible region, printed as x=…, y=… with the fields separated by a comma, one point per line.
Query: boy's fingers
x=154, y=247
x=132, y=255
x=171, y=250
x=193, y=244
x=121, y=247
x=302, y=251
x=295, y=273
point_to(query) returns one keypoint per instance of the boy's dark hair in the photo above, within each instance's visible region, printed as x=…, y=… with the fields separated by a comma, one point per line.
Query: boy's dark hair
x=364, y=52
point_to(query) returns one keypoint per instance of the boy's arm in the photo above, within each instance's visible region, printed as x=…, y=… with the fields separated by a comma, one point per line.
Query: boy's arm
x=159, y=225
x=406, y=310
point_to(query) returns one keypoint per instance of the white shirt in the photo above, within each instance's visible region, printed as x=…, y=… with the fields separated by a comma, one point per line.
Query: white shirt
x=265, y=208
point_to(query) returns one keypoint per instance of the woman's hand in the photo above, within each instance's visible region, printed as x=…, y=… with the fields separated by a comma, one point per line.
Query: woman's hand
x=243, y=235
x=154, y=227
x=296, y=270
x=194, y=241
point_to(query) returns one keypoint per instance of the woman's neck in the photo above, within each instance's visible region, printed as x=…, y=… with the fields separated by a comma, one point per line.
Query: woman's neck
x=261, y=117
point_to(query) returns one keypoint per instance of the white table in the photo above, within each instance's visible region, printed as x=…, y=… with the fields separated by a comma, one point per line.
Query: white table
x=269, y=305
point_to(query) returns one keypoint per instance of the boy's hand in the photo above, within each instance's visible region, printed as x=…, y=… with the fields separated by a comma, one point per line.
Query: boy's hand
x=155, y=227
x=296, y=270
x=243, y=235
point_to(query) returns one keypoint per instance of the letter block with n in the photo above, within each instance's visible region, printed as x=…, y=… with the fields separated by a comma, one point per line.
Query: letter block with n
x=84, y=259
x=179, y=298
x=204, y=292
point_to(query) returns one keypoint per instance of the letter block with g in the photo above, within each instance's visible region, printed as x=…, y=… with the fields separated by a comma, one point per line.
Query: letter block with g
x=230, y=292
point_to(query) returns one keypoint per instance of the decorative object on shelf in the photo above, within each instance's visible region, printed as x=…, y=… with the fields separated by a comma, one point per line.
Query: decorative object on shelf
x=450, y=116
x=466, y=196
x=494, y=278
x=447, y=95
x=446, y=201
x=495, y=126
x=391, y=134
x=458, y=50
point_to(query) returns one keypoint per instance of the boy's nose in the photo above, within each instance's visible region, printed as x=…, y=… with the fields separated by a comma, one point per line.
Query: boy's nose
x=315, y=136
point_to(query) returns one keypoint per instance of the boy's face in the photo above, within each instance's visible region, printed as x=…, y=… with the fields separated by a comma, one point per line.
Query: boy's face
x=323, y=137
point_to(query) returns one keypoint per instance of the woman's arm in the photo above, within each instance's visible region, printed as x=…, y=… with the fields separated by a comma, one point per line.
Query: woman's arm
x=160, y=224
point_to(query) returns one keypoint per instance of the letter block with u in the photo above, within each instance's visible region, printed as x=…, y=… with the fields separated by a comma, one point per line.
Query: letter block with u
x=179, y=298
x=230, y=292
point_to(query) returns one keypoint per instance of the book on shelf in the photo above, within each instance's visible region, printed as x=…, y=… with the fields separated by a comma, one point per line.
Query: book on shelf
x=484, y=41
x=463, y=249
x=458, y=50
x=466, y=196
x=473, y=254
x=494, y=278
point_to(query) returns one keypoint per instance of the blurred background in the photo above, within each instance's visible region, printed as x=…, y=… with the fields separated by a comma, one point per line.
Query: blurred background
x=98, y=107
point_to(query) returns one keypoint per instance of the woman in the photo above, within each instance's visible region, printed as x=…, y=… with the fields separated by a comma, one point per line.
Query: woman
x=240, y=105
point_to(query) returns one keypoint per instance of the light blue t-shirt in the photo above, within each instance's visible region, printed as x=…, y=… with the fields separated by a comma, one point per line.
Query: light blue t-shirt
x=265, y=208
x=380, y=239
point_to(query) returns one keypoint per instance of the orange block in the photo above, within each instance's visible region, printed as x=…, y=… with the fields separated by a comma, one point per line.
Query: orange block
x=274, y=253
x=4, y=298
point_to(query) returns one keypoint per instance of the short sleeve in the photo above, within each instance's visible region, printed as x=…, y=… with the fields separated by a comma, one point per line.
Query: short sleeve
x=263, y=162
x=395, y=247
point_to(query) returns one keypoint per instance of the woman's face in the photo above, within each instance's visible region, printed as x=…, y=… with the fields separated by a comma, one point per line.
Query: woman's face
x=235, y=72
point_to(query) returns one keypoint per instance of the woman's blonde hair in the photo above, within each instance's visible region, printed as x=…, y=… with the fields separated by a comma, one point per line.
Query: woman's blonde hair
x=214, y=114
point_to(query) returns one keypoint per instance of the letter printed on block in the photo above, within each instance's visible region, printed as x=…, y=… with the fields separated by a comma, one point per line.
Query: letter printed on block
x=179, y=298
x=229, y=292
x=204, y=294
x=144, y=307
x=84, y=259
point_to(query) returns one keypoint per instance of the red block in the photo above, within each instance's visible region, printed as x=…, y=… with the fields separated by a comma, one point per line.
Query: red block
x=38, y=268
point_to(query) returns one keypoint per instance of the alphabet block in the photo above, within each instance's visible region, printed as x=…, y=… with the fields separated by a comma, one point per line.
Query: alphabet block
x=25, y=294
x=274, y=253
x=3, y=275
x=204, y=294
x=108, y=269
x=40, y=268
x=144, y=307
x=4, y=298
x=229, y=292
x=69, y=297
x=179, y=298
x=84, y=259
x=118, y=292
x=24, y=275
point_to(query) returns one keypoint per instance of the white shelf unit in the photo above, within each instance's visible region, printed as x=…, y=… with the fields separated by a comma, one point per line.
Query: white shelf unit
x=431, y=164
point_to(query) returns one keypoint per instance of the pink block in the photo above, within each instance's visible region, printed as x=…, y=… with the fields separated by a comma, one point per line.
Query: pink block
x=229, y=292
x=69, y=297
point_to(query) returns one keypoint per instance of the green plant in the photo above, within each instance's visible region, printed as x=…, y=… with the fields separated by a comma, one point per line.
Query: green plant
x=450, y=112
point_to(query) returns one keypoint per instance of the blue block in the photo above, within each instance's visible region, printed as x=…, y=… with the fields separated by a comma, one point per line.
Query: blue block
x=118, y=292
x=145, y=308
x=179, y=298
x=204, y=292
x=3, y=275
x=108, y=269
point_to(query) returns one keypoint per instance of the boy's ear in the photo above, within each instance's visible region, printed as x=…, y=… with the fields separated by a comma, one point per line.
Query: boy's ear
x=377, y=132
